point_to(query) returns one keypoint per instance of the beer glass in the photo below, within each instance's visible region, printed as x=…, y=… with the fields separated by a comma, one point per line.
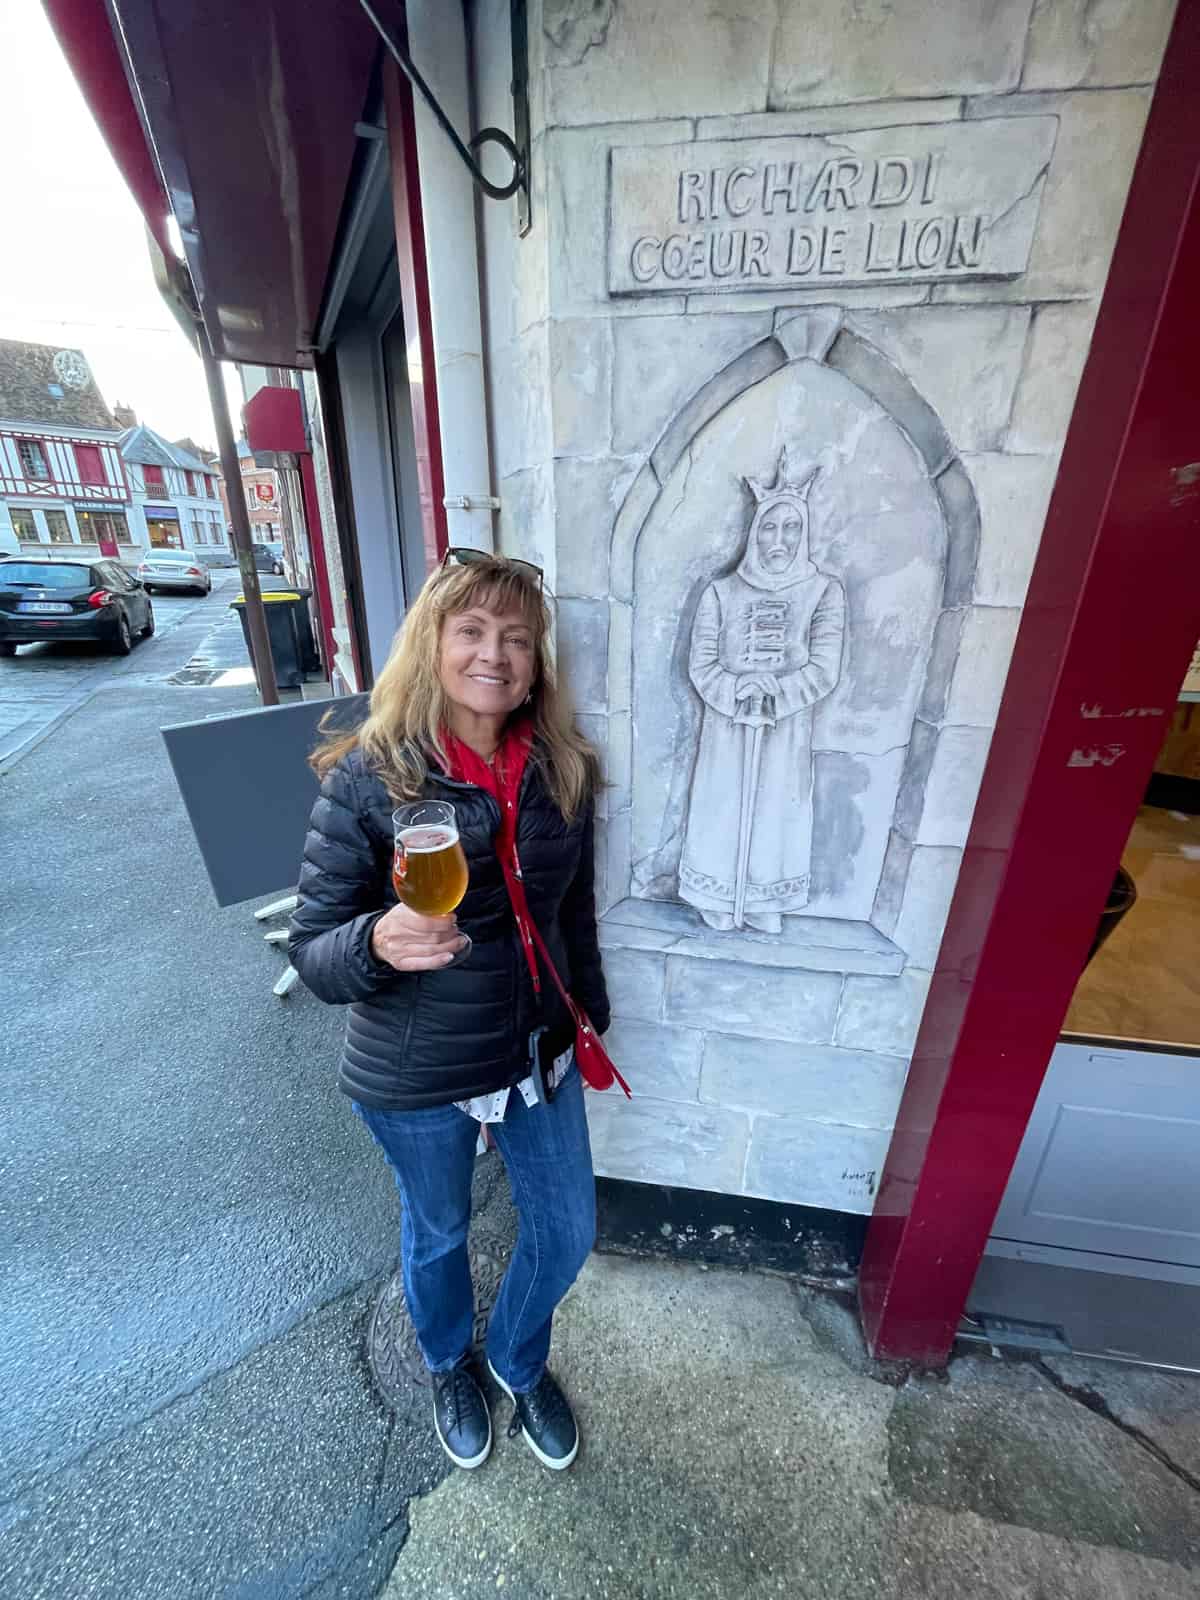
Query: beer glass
x=429, y=869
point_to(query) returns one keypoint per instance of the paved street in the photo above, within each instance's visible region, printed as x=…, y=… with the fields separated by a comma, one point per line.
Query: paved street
x=45, y=681
x=192, y=1224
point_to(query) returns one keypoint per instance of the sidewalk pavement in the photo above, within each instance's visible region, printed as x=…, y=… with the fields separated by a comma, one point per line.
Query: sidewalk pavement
x=736, y=1445
x=193, y=1230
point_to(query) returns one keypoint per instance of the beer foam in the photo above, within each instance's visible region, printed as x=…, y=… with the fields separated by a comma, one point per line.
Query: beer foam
x=427, y=838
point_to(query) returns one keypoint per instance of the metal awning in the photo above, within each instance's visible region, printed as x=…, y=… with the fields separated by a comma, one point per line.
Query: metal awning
x=241, y=121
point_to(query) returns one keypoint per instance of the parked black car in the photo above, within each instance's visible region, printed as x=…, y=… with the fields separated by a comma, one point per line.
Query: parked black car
x=71, y=600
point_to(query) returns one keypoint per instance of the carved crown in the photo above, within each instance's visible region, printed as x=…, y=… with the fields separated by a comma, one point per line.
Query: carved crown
x=788, y=484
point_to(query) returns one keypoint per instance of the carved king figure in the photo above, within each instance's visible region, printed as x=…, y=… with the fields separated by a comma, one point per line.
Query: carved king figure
x=766, y=646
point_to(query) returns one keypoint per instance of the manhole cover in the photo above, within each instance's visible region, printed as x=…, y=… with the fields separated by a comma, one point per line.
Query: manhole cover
x=396, y=1363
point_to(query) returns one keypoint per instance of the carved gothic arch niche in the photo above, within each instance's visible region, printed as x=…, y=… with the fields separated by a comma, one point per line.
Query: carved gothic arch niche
x=894, y=515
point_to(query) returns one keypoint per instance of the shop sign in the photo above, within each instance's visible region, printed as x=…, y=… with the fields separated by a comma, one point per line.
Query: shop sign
x=925, y=203
x=264, y=493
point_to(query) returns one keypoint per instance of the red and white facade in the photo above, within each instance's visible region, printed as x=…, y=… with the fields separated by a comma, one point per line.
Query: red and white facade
x=265, y=497
x=67, y=487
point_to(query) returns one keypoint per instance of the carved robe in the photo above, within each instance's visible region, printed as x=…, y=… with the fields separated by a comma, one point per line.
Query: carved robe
x=749, y=623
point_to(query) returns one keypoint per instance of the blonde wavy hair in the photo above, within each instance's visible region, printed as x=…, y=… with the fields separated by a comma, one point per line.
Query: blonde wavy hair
x=408, y=710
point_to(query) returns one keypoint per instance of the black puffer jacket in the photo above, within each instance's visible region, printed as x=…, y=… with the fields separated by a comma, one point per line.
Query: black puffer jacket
x=428, y=1038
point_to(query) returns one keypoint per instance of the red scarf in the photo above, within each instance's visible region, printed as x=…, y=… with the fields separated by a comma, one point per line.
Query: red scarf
x=502, y=780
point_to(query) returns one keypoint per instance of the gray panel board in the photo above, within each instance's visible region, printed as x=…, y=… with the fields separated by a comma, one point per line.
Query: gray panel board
x=248, y=790
x=1109, y=1158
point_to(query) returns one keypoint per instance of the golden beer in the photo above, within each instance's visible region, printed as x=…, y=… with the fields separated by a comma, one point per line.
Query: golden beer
x=430, y=869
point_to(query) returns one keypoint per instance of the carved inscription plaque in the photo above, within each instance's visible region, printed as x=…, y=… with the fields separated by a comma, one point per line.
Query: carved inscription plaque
x=929, y=202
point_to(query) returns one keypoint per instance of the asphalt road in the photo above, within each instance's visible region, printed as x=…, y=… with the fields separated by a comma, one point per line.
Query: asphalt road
x=192, y=1223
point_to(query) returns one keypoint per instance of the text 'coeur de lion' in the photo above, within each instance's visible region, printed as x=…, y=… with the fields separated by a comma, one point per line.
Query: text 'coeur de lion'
x=938, y=201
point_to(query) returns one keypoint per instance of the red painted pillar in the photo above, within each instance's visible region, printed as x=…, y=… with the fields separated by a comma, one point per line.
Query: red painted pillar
x=316, y=546
x=1109, y=624
x=418, y=318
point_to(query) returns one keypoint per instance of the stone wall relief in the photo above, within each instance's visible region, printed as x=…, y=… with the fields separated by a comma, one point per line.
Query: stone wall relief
x=792, y=545
x=766, y=645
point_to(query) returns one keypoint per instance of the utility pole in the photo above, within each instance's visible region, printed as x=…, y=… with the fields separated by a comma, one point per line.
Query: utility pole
x=239, y=518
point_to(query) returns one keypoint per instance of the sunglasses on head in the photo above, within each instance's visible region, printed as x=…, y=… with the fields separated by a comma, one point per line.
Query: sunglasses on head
x=465, y=556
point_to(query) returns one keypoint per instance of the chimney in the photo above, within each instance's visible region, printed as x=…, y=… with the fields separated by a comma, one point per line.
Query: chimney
x=126, y=416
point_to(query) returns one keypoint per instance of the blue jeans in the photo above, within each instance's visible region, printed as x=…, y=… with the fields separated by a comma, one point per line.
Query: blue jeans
x=549, y=1160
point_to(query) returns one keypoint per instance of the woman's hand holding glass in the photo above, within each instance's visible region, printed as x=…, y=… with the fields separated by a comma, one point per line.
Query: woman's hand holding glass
x=429, y=873
x=410, y=942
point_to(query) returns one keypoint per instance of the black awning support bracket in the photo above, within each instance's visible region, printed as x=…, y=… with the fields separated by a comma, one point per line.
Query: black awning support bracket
x=517, y=149
x=520, y=99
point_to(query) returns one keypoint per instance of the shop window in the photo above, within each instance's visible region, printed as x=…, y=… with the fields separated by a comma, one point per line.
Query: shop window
x=89, y=464
x=165, y=534
x=103, y=528
x=24, y=525
x=32, y=454
x=58, y=526
x=153, y=477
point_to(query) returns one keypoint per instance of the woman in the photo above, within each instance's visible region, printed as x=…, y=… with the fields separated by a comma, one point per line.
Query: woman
x=466, y=710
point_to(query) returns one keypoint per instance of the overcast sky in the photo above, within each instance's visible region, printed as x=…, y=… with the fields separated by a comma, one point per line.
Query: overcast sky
x=74, y=269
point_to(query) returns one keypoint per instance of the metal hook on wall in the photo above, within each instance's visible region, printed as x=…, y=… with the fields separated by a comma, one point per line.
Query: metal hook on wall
x=517, y=149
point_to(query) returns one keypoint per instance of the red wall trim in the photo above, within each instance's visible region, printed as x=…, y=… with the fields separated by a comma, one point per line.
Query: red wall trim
x=1108, y=627
x=418, y=318
x=316, y=546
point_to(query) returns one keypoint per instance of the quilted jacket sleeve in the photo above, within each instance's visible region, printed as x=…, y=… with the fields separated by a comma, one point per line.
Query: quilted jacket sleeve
x=329, y=941
x=577, y=919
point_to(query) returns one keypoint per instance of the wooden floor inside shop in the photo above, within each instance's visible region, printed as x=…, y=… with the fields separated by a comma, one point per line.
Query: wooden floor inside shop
x=1144, y=983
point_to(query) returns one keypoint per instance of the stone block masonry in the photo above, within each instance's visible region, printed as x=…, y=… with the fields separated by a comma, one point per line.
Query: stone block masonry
x=778, y=1083
x=855, y=252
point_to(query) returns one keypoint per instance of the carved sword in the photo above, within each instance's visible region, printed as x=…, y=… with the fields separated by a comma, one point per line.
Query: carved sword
x=754, y=725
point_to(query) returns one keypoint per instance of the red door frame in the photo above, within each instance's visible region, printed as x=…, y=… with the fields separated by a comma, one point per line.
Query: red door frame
x=1111, y=618
x=311, y=511
x=418, y=317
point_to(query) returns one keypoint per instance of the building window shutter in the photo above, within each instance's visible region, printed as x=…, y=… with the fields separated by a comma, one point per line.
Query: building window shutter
x=89, y=464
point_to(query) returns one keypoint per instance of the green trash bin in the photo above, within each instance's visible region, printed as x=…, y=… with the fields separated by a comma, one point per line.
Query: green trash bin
x=287, y=646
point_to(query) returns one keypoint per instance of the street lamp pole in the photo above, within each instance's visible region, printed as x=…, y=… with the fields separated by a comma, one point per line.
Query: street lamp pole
x=239, y=519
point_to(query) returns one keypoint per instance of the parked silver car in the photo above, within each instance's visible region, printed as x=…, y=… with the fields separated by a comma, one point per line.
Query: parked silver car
x=175, y=570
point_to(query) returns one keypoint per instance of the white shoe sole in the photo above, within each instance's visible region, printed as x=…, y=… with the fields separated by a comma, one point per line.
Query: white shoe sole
x=555, y=1463
x=466, y=1462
